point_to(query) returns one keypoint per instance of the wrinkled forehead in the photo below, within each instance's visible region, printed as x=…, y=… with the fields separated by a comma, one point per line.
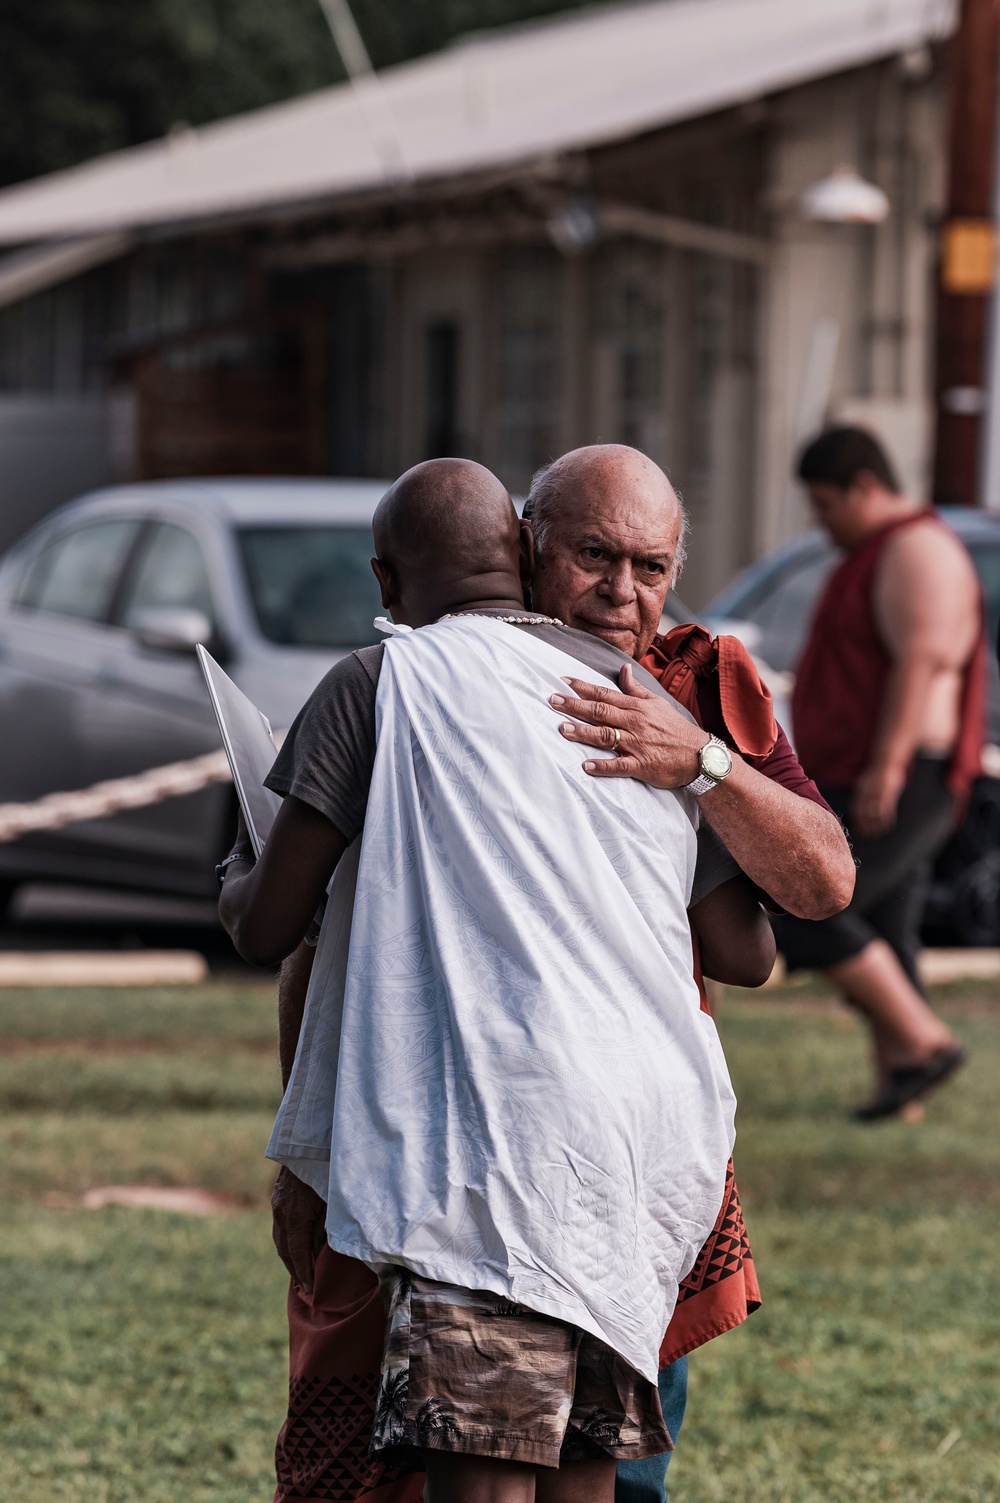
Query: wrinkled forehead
x=622, y=522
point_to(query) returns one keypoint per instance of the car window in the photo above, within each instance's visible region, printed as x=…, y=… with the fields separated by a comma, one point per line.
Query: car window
x=783, y=614
x=312, y=586
x=76, y=573
x=171, y=572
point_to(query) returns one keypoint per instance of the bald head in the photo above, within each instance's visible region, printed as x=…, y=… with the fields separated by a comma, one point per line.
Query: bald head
x=446, y=535
x=608, y=529
x=582, y=477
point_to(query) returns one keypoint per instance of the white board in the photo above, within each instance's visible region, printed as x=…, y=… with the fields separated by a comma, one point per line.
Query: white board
x=246, y=735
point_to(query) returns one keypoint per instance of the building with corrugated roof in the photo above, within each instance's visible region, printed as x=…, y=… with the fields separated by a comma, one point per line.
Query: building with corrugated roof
x=584, y=228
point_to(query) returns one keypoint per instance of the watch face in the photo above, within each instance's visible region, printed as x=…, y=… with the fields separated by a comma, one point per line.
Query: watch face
x=716, y=760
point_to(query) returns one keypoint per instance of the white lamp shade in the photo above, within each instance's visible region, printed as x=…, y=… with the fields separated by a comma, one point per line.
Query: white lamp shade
x=844, y=198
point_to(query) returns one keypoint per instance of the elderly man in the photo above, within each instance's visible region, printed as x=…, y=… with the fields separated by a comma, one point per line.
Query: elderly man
x=473, y=845
x=889, y=712
x=607, y=527
x=608, y=543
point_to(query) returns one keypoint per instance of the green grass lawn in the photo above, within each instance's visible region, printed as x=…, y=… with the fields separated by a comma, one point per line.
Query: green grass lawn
x=873, y=1371
x=142, y=1354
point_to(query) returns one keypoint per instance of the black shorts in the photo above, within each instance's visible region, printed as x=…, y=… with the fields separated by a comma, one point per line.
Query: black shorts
x=893, y=873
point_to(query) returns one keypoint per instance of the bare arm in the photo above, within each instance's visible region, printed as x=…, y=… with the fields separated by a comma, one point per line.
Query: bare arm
x=792, y=848
x=927, y=612
x=266, y=909
x=735, y=938
x=298, y=1214
x=293, y=983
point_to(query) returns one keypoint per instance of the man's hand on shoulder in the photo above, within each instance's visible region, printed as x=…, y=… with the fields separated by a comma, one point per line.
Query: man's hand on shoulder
x=653, y=741
x=298, y=1226
x=790, y=847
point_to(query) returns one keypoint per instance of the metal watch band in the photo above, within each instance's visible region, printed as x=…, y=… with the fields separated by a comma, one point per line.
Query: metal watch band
x=704, y=782
x=220, y=870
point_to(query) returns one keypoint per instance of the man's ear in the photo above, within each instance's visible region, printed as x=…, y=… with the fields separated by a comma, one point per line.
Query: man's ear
x=526, y=547
x=387, y=587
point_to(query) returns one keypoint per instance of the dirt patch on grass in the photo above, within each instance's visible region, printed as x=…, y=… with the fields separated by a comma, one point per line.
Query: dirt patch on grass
x=187, y=1201
x=183, y=1200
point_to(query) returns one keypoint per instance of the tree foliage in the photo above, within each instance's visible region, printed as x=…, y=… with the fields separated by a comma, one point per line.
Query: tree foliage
x=83, y=77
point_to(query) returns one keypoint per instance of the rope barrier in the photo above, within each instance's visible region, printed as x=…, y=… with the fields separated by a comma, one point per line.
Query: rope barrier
x=160, y=783
x=152, y=787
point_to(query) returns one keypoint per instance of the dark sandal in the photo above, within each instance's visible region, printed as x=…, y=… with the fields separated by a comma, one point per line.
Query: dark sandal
x=911, y=1084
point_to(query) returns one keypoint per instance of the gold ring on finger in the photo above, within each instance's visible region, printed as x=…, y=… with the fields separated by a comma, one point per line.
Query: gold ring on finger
x=617, y=740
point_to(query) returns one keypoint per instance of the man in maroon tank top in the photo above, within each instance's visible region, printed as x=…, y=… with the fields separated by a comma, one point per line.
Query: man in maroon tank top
x=889, y=719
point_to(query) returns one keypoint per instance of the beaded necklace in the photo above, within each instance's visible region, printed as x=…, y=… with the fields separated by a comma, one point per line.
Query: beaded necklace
x=510, y=620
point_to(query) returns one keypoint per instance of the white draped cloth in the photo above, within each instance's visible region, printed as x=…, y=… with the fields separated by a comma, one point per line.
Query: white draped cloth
x=504, y=1079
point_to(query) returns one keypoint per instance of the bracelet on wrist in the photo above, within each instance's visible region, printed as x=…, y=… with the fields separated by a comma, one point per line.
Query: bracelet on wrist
x=223, y=866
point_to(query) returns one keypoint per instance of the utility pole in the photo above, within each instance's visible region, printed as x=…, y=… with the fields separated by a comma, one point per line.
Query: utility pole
x=367, y=88
x=347, y=38
x=968, y=255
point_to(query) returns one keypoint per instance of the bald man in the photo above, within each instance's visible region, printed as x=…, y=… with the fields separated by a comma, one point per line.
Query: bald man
x=447, y=546
x=608, y=543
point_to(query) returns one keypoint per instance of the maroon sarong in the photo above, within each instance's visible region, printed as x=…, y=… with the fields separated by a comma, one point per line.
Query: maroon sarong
x=335, y=1340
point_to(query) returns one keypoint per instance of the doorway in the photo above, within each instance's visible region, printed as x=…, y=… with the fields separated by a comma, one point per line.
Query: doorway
x=441, y=363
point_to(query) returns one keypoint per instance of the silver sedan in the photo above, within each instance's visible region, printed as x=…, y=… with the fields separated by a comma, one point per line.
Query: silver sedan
x=100, y=609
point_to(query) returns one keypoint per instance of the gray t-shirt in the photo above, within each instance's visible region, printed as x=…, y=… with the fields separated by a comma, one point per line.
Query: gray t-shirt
x=327, y=757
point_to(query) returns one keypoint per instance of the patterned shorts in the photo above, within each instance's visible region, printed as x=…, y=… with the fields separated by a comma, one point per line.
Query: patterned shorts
x=473, y=1372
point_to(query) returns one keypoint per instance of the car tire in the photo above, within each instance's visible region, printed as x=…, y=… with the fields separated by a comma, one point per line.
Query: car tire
x=7, y=890
x=963, y=905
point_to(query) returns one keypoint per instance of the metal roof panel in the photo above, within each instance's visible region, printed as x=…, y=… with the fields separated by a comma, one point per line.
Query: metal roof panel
x=491, y=102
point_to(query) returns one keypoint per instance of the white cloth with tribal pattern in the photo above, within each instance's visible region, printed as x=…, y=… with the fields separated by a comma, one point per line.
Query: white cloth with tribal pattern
x=507, y=1077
